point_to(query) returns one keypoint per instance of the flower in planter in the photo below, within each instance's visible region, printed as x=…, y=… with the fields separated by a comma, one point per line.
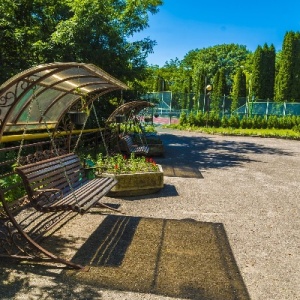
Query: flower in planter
x=120, y=164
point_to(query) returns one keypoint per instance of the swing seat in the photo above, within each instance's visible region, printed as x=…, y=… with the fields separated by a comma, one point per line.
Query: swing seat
x=129, y=147
x=60, y=184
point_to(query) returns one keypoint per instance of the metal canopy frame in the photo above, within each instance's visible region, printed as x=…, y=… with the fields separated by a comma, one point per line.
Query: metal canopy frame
x=40, y=96
x=129, y=109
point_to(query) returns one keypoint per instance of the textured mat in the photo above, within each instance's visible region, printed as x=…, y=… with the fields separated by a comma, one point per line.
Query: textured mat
x=177, y=258
x=181, y=171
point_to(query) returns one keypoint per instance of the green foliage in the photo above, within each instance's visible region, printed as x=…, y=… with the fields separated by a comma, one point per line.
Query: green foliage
x=201, y=118
x=234, y=121
x=183, y=118
x=14, y=185
x=263, y=72
x=239, y=88
x=227, y=56
x=191, y=119
x=258, y=126
x=288, y=77
x=219, y=90
x=273, y=122
x=89, y=31
x=224, y=122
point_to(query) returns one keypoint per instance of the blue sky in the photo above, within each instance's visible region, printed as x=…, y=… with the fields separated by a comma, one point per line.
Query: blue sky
x=184, y=25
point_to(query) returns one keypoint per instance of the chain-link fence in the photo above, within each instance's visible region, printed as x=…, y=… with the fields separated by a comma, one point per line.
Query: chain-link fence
x=173, y=104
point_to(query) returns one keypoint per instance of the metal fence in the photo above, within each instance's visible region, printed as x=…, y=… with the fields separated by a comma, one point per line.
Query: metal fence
x=173, y=104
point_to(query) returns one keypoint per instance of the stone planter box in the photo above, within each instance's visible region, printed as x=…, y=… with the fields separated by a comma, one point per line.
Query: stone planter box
x=137, y=183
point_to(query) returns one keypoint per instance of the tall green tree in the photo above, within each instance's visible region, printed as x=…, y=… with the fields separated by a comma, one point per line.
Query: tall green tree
x=239, y=88
x=269, y=71
x=263, y=72
x=219, y=90
x=287, y=82
x=257, y=66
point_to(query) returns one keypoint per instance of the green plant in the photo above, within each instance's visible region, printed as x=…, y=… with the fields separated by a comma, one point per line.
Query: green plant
x=119, y=164
x=183, y=118
x=17, y=191
x=83, y=107
x=234, y=121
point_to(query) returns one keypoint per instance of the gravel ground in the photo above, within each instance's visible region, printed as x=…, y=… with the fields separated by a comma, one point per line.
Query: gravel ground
x=250, y=185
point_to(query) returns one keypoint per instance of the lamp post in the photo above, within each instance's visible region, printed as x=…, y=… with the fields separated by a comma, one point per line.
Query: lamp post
x=207, y=90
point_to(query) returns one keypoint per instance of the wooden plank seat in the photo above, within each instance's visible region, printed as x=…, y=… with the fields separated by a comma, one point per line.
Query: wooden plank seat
x=60, y=184
x=130, y=147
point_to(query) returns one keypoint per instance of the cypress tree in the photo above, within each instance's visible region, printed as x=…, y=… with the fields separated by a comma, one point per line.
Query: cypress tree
x=256, y=82
x=219, y=89
x=239, y=88
x=263, y=72
x=269, y=72
x=287, y=80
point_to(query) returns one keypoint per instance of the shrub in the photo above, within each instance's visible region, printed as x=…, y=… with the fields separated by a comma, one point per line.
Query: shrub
x=224, y=122
x=183, y=118
x=234, y=121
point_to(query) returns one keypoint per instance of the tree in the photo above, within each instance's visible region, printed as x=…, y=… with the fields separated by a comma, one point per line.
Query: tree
x=91, y=31
x=269, y=72
x=263, y=72
x=219, y=90
x=209, y=60
x=238, y=89
x=25, y=28
x=287, y=82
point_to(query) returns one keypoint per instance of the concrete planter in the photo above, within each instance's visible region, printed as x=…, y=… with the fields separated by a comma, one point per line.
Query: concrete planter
x=136, y=184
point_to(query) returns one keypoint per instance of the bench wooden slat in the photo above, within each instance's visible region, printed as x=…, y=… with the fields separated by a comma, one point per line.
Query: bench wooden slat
x=60, y=184
x=132, y=148
x=94, y=187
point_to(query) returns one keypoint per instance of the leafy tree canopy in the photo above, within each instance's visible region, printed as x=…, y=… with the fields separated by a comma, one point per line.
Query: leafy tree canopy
x=92, y=31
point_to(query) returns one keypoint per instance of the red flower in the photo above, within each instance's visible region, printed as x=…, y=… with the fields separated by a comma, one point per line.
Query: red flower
x=116, y=167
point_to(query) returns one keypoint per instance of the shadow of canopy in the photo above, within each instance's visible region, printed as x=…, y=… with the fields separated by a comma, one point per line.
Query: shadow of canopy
x=187, y=258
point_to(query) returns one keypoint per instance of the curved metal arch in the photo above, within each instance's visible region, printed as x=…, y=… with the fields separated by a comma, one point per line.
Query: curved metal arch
x=54, y=83
x=96, y=96
x=128, y=108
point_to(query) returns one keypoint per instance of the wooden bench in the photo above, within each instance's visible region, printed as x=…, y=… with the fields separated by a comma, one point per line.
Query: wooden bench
x=60, y=184
x=129, y=147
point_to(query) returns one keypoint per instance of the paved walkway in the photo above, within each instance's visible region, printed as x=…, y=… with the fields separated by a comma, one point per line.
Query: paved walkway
x=250, y=185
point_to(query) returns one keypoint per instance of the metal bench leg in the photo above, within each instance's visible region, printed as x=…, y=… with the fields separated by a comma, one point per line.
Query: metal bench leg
x=20, y=245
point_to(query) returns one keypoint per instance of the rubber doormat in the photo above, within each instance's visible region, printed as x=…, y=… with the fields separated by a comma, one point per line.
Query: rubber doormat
x=181, y=171
x=175, y=258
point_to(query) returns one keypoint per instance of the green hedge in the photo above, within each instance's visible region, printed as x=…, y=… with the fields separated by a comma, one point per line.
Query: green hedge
x=200, y=119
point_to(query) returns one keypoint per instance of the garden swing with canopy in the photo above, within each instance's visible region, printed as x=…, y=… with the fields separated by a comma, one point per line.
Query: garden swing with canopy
x=128, y=115
x=41, y=96
x=60, y=183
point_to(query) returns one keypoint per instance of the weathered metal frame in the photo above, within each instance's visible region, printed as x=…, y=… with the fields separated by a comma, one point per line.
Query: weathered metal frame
x=47, y=77
x=129, y=109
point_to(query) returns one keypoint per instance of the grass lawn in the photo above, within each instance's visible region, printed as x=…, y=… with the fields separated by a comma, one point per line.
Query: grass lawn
x=278, y=133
